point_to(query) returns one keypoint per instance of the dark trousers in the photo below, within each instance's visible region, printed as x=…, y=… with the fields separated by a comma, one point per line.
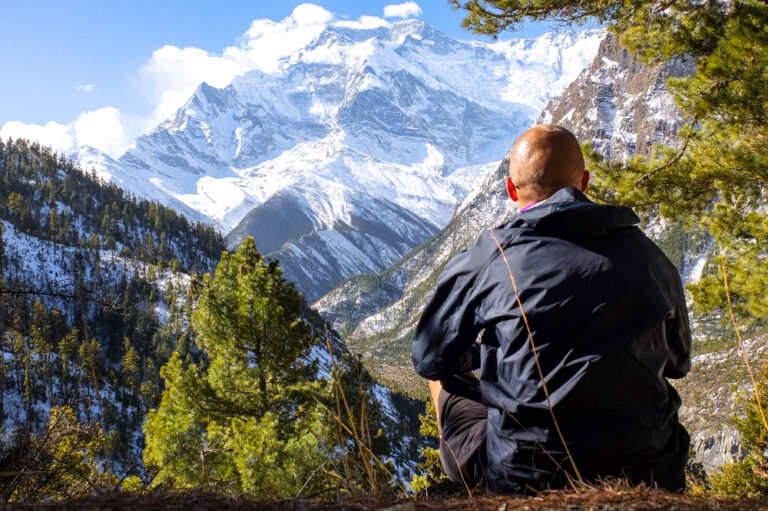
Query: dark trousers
x=463, y=423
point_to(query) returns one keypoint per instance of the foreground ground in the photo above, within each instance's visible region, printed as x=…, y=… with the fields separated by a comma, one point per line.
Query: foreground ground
x=603, y=499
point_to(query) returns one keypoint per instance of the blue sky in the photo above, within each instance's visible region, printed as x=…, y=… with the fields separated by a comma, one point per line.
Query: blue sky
x=102, y=72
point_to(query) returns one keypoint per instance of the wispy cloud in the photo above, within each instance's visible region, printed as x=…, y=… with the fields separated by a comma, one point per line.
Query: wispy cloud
x=172, y=73
x=404, y=10
x=86, y=87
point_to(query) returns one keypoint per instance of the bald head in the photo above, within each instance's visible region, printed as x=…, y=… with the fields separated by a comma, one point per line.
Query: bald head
x=545, y=159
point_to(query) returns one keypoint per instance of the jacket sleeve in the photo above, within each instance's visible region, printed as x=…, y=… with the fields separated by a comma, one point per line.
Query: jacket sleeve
x=678, y=330
x=444, y=340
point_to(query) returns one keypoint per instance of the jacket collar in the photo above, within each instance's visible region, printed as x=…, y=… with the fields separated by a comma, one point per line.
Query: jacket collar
x=569, y=212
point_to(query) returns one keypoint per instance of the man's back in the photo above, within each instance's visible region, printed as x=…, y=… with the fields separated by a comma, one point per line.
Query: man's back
x=608, y=321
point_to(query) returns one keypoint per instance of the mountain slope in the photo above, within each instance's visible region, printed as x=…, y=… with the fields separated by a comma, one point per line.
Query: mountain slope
x=361, y=145
x=614, y=83
x=96, y=290
x=618, y=104
x=377, y=314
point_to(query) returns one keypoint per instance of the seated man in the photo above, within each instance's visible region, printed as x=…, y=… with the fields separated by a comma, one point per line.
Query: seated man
x=583, y=319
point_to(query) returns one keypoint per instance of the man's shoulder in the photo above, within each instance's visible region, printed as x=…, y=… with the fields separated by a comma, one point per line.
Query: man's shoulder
x=493, y=240
x=485, y=249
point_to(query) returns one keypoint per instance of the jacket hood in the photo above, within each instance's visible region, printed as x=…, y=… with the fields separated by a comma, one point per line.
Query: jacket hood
x=570, y=212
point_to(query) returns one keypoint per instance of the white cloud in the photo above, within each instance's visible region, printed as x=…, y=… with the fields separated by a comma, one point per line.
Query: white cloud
x=86, y=87
x=365, y=22
x=172, y=74
x=58, y=136
x=100, y=128
x=405, y=10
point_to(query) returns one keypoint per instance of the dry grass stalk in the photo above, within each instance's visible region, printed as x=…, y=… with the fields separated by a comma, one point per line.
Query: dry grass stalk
x=361, y=436
x=741, y=345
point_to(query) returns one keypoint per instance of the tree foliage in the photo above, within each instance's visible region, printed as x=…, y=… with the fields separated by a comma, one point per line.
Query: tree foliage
x=243, y=420
x=251, y=414
x=748, y=477
x=62, y=461
x=431, y=479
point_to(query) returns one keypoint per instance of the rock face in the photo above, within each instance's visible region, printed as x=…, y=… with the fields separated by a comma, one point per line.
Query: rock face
x=619, y=104
x=358, y=148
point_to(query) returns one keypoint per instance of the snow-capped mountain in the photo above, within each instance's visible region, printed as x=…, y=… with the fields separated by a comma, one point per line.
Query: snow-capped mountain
x=358, y=148
x=377, y=313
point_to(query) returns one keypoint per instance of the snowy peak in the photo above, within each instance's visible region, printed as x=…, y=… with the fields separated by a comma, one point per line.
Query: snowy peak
x=358, y=135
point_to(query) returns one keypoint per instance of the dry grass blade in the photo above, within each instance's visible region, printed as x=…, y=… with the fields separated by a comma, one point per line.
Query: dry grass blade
x=741, y=345
x=536, y=358
x=339, y=423
x=365, y=451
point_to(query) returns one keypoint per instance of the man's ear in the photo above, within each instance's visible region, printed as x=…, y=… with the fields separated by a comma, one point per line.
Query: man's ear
x=584, y=180
x=511, y=190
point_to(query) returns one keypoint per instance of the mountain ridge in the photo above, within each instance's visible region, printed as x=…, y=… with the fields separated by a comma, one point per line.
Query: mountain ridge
x=371, y=136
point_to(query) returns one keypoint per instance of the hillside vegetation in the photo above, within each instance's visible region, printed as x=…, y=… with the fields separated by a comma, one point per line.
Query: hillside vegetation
x=106, y=320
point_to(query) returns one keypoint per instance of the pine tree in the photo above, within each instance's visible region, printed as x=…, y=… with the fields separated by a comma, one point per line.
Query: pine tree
x=60, y=462
x=68, y=362
x=129, y=367
x=2, y=253
x=432, y=479
x=4, y=371
x=244, y=419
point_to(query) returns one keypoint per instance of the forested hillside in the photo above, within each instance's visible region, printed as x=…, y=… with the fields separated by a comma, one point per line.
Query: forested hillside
x=115, y=330
x=91, y=299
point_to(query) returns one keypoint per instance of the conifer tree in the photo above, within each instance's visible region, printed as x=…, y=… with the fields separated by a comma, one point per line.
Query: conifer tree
x=129, y=367
x=4, y=370
x=67, y=360
x=748, y=476
x=243, y=419
x=2, y=252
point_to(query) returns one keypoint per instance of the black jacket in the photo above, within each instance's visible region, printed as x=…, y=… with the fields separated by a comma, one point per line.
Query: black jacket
x=609, y=323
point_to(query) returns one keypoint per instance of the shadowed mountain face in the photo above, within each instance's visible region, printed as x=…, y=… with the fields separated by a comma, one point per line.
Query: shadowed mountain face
x=374, y=235
x=356, y=150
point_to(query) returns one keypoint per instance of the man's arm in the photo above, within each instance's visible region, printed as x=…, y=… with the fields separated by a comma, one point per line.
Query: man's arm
x=444, y=340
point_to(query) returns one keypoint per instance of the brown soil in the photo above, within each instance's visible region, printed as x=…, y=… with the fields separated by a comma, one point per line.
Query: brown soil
x=604, y=498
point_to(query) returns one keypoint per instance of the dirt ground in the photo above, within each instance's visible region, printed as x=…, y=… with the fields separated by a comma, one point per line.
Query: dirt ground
x=604, y=498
